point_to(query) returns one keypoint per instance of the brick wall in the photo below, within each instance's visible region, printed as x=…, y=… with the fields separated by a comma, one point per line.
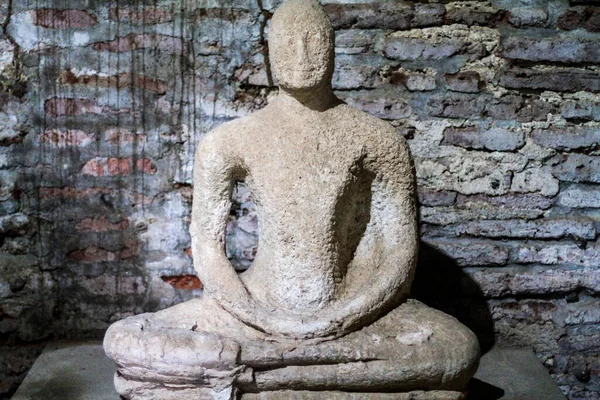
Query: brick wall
x=102, y=104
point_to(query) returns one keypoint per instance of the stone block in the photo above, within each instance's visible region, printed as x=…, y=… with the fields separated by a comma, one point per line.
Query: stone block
x=550, y=48
x=495, y=139
x=62, y=19
x=554, y=253
x=468, y=82
x=473, y=13
x=430, y=197
x=556, y=79
x=355, y=41
x=580, y=196
x=512, y=200
x=147, y=15
x=535, y=179
x=534, y=280
x=527, y=16
x=568, y=138
x=397, y=15
x=535, y=229
x=577, y=17
x=466, y=252
x=577, y=168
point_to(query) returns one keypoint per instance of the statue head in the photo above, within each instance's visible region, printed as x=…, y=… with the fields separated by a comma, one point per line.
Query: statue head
x=301, y=42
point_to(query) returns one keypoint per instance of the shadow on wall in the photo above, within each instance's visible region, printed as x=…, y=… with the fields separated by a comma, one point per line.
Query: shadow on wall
x=442, y=284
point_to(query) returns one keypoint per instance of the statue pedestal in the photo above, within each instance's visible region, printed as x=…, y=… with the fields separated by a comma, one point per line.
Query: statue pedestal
x=81, y=371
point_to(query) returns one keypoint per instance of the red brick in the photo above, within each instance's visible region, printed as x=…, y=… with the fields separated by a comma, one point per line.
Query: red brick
x=93, y=254
x=58, y=106
x=580, y=17
x=71, y=137
x=102, y=166
x=70, y=192
x=132, y=42
x=123, y=136
x=118, y=166
x=94, y=167
x=62, y=19
x=148, y=15
x=185, y=282
x=101, y=224
x=146, y=166
x=571, y=19
x=117, y=81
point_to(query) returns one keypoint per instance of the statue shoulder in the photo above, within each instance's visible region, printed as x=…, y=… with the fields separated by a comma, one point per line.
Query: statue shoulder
x=227, y=137
x=374, y=130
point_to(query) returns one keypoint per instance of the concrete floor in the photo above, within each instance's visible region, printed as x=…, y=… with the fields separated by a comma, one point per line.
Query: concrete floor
x=81, y=371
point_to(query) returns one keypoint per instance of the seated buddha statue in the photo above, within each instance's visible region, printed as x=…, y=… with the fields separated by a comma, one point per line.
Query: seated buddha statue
x=323, y=312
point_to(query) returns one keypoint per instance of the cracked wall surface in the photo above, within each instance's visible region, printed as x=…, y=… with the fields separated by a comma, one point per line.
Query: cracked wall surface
x=103, y=103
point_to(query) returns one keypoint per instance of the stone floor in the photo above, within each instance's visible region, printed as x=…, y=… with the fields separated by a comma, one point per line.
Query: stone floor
x=81, y=371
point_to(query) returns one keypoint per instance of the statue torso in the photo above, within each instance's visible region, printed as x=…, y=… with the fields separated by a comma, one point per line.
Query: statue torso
x=311, y=179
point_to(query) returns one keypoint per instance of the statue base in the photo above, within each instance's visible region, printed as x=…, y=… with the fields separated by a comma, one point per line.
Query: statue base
x=146, y=390
x=198, y=350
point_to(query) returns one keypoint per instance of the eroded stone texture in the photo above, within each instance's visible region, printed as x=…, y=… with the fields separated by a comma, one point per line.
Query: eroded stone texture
x=324, y=305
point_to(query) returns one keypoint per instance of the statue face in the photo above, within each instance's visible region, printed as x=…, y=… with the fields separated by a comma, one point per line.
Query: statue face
x=301, y=46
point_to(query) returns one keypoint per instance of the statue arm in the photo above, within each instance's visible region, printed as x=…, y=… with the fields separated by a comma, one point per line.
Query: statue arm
x=396, y=212
x=391, y=259
x=215, y=172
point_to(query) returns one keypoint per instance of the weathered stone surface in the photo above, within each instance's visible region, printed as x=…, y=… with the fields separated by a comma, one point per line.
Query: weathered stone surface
x=527, y=16
x=354, y=41
x=581, y=109
x=429, y=197
x=147, y=15
x=450, y=215
x=564, y=80
x=381, y=104
x=385, y=15
x=468, y=82
x=61, y=19
x=487, y=173
x=352, y=73
x=536, y=229
x=578, y=168
x=580, y=17
x=509, y=201
x=407, y=48
x=414, y=81
x=580, y=196
x=560, y=48
x=495, y=139
x=535, y=179
x=471, y=253
x=531, y=280
x=508, y=107
x=473, y=13
x=569, y=138
x=558, y=253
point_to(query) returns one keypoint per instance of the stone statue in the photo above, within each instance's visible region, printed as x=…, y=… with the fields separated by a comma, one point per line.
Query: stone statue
x=322, y=313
